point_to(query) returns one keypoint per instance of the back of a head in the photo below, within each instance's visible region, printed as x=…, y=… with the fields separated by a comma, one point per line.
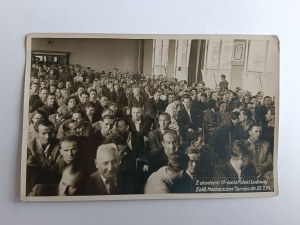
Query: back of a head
x=110, y=147
x=239, y=148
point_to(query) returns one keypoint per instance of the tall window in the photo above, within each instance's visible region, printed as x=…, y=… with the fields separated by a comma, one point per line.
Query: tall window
x=161, y=49
x=182, y=59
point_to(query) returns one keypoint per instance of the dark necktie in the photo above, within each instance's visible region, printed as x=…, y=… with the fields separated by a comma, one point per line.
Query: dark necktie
x=112, y=189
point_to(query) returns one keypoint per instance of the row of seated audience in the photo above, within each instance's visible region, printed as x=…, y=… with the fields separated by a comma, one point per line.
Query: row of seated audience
x=94, y=133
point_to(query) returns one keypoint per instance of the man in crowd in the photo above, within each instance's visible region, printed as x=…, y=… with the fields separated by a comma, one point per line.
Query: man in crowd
x=70, y=184
x=162, y=181
x=136, y=100
x=41, y=101
x=261, y=156
x=42, y=153
x=156, y=136
x=105, y=180
x=159, y=157
x=50, y=107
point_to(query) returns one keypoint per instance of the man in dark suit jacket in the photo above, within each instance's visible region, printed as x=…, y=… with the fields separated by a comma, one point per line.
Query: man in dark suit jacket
x=41, y=101
x=104, y=181
x=139, y=124
x=136, y=100
x=155, y=105
x=186, y=118
x=50, y=107
x=239, y=166
x=221, y=139
x=159, y=157
x=156, y=136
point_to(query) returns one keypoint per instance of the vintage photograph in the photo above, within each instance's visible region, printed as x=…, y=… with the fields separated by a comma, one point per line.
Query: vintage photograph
x=117, y=117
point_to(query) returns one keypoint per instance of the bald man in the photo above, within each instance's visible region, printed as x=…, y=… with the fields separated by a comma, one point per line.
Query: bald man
x=104, y=181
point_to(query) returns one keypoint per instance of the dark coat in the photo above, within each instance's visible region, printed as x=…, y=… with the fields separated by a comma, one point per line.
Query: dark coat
x=133, y=102
x=185, y=122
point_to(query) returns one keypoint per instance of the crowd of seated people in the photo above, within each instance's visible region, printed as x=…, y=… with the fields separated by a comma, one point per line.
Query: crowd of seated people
x=99, y=133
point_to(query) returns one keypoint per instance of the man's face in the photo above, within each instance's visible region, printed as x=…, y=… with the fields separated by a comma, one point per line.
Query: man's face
x=80, y=90
x=72, y=103
x=242, y=116
x=66, y=93
x=69, y=151
x=251, y=107
x=171, y=98
x=73, y=129
x=156, y=96
x=44, y=94
x=223, y=107
x=68, y=84
x=106, y=125
x=90, y=111
x=255, y=101
x=269, y=116
x=170, y=144
x=60, y=85
x=255, y=133
x=164, y=122
x=136, y=114
x=34, y=88
x=68, y=183
x=214, y=96
x=122, y=127
x=187, y=103
x=52, y=89
x=202, y=99
x=110, y=85
x=37, y=117
x=267, y=102
x=194, y=162
x=93, y=95
x=124, y=85
x=107, y=163
x=51, y=100
x=43, y=84
x=103, y=101
x=240, y=93
x=77, y=117
x=84, y=98
x=44, y=134
x=136, y=91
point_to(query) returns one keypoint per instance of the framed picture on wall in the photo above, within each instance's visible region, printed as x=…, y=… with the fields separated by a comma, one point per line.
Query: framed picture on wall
x=238, y=52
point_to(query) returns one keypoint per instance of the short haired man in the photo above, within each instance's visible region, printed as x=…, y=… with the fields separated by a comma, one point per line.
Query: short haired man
x=42, y=153
x=186, y=118
x=156, y=136
x=69, y=153
x=187, y=182
x=139, y=124
x=261, y=156
x=136, y=100
x=41, y=101
x=70, y=184
x=50, y=107
x=104, y=181
x=223, y=83
x=159, y=157
x=238, y=167
x=162, y=180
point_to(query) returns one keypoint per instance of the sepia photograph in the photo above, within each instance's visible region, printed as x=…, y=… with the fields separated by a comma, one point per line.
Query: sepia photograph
x=121, y=117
